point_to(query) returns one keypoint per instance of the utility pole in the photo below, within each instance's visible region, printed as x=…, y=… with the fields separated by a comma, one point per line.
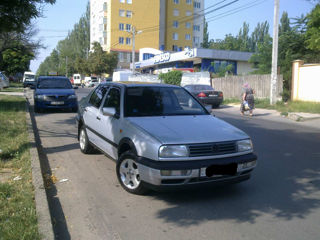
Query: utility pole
x=134, y=33
x=274, y=70
x=66, y=66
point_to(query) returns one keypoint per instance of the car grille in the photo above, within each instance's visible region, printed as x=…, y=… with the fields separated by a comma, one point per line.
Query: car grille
x=56, y=98
x=210, y=149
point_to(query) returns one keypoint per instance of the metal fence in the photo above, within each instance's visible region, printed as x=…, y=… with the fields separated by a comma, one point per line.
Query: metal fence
x=232, y=86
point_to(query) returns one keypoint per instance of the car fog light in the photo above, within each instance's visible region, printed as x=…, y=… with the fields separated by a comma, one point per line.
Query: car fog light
x=175, y=172
x=246, y=165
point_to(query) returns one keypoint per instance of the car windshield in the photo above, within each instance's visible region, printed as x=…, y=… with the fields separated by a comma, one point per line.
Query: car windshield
x=54, y=83
x=29, y=77
x=160, y=101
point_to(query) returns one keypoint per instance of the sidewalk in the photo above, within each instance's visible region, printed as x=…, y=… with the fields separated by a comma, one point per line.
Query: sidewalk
x=12, y=93
x=302, y=119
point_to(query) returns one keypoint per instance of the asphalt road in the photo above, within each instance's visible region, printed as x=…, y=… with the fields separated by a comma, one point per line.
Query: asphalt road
x=280, y=201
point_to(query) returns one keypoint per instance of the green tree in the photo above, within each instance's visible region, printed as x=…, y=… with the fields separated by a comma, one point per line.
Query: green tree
x=16, y=15
x=173, y=77
x=313, y=29
x=16, y=59
x=205, y=43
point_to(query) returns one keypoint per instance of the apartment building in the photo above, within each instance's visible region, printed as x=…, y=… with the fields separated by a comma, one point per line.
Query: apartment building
x=167, y=25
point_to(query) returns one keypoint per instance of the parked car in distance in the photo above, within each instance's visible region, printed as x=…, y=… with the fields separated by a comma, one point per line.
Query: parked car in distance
x=77, y=79
x=54, y=92
x=92, y=83
x=29, y=79
x=4, y=80
x=159, y=141
x=206, y=94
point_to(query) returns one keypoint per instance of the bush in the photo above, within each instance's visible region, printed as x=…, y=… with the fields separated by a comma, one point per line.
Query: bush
x=173, y=77
x=286, y=95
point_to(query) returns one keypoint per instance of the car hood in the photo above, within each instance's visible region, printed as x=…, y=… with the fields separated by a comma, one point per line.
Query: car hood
x=54, y=92
x=188, y=129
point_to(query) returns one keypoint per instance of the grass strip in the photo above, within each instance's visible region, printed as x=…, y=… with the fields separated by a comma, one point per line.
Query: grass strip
x=18, y=218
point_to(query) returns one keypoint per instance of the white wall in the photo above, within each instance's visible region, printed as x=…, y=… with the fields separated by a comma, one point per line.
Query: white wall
x=243, y=68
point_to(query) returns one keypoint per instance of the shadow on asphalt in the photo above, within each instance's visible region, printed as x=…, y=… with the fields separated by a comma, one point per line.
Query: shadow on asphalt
x=57, y=216
x=285, y=183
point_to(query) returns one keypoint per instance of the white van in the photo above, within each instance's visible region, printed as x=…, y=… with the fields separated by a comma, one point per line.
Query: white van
x=29, y=79
x=77, y=79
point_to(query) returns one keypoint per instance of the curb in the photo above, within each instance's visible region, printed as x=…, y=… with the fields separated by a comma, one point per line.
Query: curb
x=300, y=118
x=43, y=213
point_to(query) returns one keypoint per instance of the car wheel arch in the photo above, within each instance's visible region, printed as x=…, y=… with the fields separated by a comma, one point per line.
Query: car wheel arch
x=126, y=144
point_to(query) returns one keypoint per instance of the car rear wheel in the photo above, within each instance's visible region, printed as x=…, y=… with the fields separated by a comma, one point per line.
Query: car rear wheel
x=128, y=174
x=84, y=143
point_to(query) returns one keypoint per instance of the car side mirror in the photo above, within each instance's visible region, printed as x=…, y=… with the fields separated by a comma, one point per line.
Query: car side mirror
x=109, y=111
x=75, y=87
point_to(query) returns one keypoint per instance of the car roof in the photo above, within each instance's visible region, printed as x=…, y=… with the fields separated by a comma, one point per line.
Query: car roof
x=51, y=77
x=139, y=84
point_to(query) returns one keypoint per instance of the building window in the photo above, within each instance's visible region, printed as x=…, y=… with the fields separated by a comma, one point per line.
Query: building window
x=128, y=41
x=128, y=57
x=188, y=25
x=196, y=40
x=121, y=26
x=129, y=1
x=122, y=1
x=176, y=1
x=175, y=12
x=174, y=48
x=196, y=28
x=128, y=27
x=189, y=2
x=105, y=6
x=188, y=13
x=105, y=20
x=129, y=14
x=122, y=13
x=175, y=24
x=188, y=37
x=196, y=4
x=175, y=36
x=121, y=40
x=120, y=57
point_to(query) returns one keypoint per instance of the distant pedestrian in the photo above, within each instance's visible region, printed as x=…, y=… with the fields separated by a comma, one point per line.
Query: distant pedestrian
x=247, y=99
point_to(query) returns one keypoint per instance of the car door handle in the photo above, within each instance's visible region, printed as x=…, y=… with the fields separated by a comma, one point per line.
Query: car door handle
x=99, y=118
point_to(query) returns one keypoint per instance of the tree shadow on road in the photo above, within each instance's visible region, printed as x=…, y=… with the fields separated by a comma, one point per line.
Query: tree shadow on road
x=285, y=183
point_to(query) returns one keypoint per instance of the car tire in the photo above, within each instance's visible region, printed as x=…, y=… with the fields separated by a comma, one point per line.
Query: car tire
x=85, y=146
x=128, y=174
x=37, y=110
x=75, y=109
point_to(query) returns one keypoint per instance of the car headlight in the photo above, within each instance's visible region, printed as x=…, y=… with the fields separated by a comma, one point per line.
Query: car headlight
x=172, y=151
x=244, y=145
x=40, y=97
x=72, y=97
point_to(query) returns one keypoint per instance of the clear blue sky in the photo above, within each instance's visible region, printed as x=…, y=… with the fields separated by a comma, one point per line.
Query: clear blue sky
x=59, y=19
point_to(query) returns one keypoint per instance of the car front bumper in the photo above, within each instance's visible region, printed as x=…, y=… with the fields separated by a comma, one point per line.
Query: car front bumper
x=151, y=174
x=70, y=103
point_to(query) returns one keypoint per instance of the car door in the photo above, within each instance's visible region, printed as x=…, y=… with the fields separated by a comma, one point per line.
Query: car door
x=109, y=126
x=91, y=112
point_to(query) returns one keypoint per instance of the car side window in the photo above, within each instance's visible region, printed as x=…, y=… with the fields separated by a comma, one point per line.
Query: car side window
x=113, y=99
x=97, y=96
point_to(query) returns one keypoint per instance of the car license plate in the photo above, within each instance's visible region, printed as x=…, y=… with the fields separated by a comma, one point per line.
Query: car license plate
x=57, y=103
x=213, y=95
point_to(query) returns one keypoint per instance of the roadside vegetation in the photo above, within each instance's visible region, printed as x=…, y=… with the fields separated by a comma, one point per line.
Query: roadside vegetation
x=18, y=219
x=14, y=87
x=283, y=107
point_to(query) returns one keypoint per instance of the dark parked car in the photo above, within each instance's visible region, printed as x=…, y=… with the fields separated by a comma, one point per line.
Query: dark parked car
x=206, y=94
x=54, y=92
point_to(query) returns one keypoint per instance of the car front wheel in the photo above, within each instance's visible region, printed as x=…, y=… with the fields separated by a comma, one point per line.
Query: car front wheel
x=84, y=143
x=128, y=174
